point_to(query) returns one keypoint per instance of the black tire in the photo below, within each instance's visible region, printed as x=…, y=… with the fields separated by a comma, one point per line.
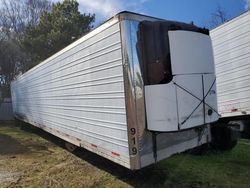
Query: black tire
x=245, y=135
x=246, y=130
x=223, y=137
x=243, y=126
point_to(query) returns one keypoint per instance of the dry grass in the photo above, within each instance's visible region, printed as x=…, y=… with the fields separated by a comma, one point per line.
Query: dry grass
x=27, y=160
x=33, y=158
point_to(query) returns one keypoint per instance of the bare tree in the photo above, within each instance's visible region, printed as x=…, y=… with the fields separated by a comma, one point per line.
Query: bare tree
x=11, y=61
x=218, y=17
x=15, y=15
x=34, y=10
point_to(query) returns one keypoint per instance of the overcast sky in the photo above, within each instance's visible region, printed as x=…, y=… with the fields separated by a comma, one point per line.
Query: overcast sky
x=198, y=11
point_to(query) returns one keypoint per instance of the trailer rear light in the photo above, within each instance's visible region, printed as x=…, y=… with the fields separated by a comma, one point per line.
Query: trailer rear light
x=234, y=109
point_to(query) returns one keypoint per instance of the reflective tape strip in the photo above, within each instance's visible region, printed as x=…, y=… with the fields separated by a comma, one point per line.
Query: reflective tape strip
x=116, y=154
x=234, y=110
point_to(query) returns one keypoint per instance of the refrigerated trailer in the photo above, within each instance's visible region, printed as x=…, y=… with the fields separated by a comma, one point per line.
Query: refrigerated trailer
x=135, y=90
x=231, y=44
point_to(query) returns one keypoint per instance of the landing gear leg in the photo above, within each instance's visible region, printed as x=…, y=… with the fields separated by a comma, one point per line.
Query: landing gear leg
x=70, y=147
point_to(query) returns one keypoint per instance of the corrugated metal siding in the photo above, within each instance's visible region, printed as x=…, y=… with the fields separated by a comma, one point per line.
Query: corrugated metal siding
x=231, y=43
x=79, y=92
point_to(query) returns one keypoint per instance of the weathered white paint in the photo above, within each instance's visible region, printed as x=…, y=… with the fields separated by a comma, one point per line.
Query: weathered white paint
x=231, y=44
x=178, y=105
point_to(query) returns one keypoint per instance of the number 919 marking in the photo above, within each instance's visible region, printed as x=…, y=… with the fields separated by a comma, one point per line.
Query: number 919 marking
x=133, y=139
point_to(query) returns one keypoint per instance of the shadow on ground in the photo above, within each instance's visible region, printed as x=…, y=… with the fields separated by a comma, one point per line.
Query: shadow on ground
x=10, y=146
x=151, y=176
x=214, y=169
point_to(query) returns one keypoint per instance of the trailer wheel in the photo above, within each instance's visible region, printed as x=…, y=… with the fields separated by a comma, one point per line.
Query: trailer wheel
x=70, y=147
x=244, y=128
x=223, y=137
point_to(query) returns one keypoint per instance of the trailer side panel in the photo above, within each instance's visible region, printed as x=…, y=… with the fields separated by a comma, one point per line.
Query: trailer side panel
x=78, y=94
x=231, y=43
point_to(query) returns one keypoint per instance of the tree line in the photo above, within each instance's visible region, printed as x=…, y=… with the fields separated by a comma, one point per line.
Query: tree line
x=33, y=30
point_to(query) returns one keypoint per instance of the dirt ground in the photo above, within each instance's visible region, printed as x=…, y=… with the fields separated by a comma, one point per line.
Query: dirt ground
x=28, y=160
x=30, y=157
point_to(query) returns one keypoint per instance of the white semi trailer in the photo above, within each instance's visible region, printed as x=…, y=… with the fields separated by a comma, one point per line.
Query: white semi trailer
x=135, y=90
x=231, y=43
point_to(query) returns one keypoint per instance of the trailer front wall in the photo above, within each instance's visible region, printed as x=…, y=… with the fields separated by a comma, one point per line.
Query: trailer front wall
x=78, y=94
x=231, y=43
x=166, y=144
